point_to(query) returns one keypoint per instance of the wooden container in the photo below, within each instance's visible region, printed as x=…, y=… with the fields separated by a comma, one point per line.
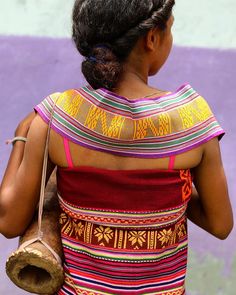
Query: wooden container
x=34, y=268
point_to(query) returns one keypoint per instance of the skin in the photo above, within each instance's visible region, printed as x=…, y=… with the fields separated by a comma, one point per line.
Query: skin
x=25, y=163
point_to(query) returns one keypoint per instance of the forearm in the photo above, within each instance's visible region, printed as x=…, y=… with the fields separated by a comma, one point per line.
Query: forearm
x=210, y=206
x=195, y=212
x=208, y=220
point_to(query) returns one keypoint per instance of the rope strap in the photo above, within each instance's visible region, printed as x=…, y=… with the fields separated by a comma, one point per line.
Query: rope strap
x=30, y=242
x=39, y=237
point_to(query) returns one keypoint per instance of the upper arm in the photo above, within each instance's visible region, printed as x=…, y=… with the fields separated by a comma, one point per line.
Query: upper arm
x=21, y=197
x=211, y=185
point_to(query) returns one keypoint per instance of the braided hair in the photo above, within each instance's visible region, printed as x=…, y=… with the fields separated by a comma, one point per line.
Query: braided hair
x=105, y=32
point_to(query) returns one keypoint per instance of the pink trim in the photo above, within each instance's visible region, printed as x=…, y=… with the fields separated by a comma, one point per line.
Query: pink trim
x=67, y=152
x=171, y=163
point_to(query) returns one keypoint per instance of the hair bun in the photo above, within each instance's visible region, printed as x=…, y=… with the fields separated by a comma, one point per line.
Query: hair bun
x=102, y=68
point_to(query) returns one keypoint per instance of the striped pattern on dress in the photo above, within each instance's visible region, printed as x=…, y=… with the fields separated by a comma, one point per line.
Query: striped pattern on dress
x=145, y=128
x=138, y=250
x=109, y=258
x=125, y=232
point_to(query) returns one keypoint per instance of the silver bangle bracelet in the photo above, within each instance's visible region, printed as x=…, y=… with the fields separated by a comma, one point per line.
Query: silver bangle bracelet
x=15, y=139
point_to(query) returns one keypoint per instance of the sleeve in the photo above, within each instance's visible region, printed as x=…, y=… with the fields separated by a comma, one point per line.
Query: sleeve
x=44, y=109
x=209, y=122
x=197, y=122
x=192, y=123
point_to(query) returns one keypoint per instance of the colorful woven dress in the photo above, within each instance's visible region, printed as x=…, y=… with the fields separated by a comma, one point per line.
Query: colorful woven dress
x=125, y=232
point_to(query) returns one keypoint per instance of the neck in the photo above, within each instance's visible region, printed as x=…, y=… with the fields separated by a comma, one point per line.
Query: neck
x=132, y=82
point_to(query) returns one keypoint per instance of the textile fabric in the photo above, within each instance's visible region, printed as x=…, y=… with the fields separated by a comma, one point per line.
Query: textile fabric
x=145, y=128
x=125, y=232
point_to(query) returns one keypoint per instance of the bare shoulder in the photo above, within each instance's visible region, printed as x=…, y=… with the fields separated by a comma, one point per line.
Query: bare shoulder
x=212, y=153
x=38, y=129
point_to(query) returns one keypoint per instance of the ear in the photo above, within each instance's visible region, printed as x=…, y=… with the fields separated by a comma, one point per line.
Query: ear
x=152, y=39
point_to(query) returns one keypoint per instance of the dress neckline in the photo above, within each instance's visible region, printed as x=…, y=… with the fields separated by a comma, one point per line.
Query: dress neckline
x=109, y=94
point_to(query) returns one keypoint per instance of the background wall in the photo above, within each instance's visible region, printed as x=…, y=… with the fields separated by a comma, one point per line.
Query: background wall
x=37, y=58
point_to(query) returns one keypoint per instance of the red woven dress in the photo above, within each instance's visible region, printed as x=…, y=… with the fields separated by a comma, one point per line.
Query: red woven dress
x=125, y=232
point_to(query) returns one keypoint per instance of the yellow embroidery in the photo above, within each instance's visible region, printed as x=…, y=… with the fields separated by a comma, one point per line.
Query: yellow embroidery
x=153, y=126
x=182, y=231
x=169, y=237
x=151, y=240
x=93, y=117
x=137, y=237
x=96, y=115
x=204, y=109
x=186, y=116
x=71, y=102
x=103, y=233
x=120, y=239
x=114, y=130
x=78, y=228
x=173, y=238
x=125, y=239
x=164, y=124
x=66, y=223
x=88, y=232
x=63, y=218
x=164, y=236
x=142, y=126
x=192, y=114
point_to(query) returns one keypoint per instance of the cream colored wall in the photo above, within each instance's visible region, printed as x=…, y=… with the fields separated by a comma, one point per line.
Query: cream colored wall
x=199, y=23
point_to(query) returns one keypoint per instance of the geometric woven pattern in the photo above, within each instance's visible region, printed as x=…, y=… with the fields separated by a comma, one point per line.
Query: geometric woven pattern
x=151, y=128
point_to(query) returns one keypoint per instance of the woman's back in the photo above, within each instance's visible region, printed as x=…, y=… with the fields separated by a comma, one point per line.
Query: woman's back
x=124, y=184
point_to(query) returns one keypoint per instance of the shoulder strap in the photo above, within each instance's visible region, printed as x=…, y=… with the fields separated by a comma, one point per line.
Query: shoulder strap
x=171, y=162
x=68, y=153
x=42, y=194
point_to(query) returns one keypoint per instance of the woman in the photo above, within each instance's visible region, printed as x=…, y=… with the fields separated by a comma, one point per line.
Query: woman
x=126, y=154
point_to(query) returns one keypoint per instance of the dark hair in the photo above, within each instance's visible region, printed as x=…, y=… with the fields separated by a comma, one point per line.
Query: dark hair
x=105, y=32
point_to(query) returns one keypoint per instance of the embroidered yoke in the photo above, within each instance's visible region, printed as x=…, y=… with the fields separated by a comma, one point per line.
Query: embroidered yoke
x=125, y=232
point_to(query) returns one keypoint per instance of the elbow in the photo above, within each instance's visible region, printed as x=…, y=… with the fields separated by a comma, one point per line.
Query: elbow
x=222, y=232
x=8, y=230
x=222, y=235
x=9, y=235
x=10, y=225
